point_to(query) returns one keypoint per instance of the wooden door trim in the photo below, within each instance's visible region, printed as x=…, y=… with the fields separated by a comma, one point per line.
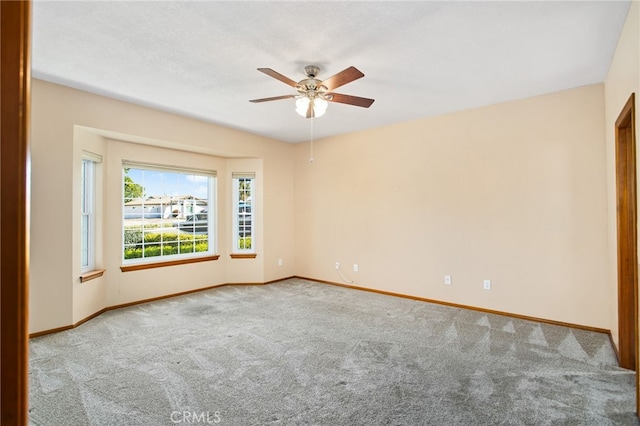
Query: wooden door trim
x=626, y=215
x=15, y=76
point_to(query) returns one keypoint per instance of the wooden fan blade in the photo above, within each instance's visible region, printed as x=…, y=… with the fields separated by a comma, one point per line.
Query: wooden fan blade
x=278, y=76
x=275, y=98
x=351, y=100
x=343, y=77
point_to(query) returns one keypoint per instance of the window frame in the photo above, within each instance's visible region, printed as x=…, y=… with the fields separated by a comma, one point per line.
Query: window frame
x=172, y=259
x=88, y=211
x=236, y=249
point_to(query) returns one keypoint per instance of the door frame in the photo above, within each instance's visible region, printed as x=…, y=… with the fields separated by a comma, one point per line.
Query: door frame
x=15, y=80
x=626, y=215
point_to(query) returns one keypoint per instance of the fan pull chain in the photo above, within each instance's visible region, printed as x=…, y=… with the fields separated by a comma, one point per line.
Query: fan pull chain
x=311, y=143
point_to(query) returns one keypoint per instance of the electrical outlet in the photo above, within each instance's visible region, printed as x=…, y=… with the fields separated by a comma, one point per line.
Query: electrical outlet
x=337, y=265
x=487, y=284
x=447, y=279
x=279, y=262
x=355, y=267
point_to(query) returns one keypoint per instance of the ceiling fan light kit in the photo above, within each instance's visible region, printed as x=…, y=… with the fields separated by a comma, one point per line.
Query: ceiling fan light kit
x=314, y=94
x=311, y=107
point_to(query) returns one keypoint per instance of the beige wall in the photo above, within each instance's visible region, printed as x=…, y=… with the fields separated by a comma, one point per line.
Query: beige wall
x=622, y=80
x=64, y=123
x=521, y=193
x=514, y=193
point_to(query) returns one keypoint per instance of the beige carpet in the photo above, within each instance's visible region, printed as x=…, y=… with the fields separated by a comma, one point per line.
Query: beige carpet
x=303, y=353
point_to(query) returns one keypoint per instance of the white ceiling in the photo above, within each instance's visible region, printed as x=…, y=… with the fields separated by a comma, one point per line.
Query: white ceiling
x=420, y=59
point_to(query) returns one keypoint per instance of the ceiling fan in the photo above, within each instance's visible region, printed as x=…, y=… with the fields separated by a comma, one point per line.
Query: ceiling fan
x=313, y=94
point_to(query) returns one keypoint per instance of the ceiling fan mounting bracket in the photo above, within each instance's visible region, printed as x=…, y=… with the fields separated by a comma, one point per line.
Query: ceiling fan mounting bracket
x=311, y=71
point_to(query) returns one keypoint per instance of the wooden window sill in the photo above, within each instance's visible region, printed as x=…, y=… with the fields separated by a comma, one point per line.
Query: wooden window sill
x=140, y=266
x=91, y=275
x=243, y=255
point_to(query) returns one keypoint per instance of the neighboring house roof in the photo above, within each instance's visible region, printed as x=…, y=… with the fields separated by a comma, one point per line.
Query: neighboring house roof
x=156, y=200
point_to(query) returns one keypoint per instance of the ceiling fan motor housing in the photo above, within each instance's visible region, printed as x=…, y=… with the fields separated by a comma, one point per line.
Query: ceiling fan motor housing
x=311, y=86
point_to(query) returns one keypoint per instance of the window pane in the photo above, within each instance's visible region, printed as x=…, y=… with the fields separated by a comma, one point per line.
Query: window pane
x=84, y=247
x=87, y=215
x=243, y=220
x=166, y=213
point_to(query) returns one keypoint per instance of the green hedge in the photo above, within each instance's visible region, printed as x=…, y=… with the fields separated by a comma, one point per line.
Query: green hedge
x=134, y=237
x=163, y=245
x=244, y=243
